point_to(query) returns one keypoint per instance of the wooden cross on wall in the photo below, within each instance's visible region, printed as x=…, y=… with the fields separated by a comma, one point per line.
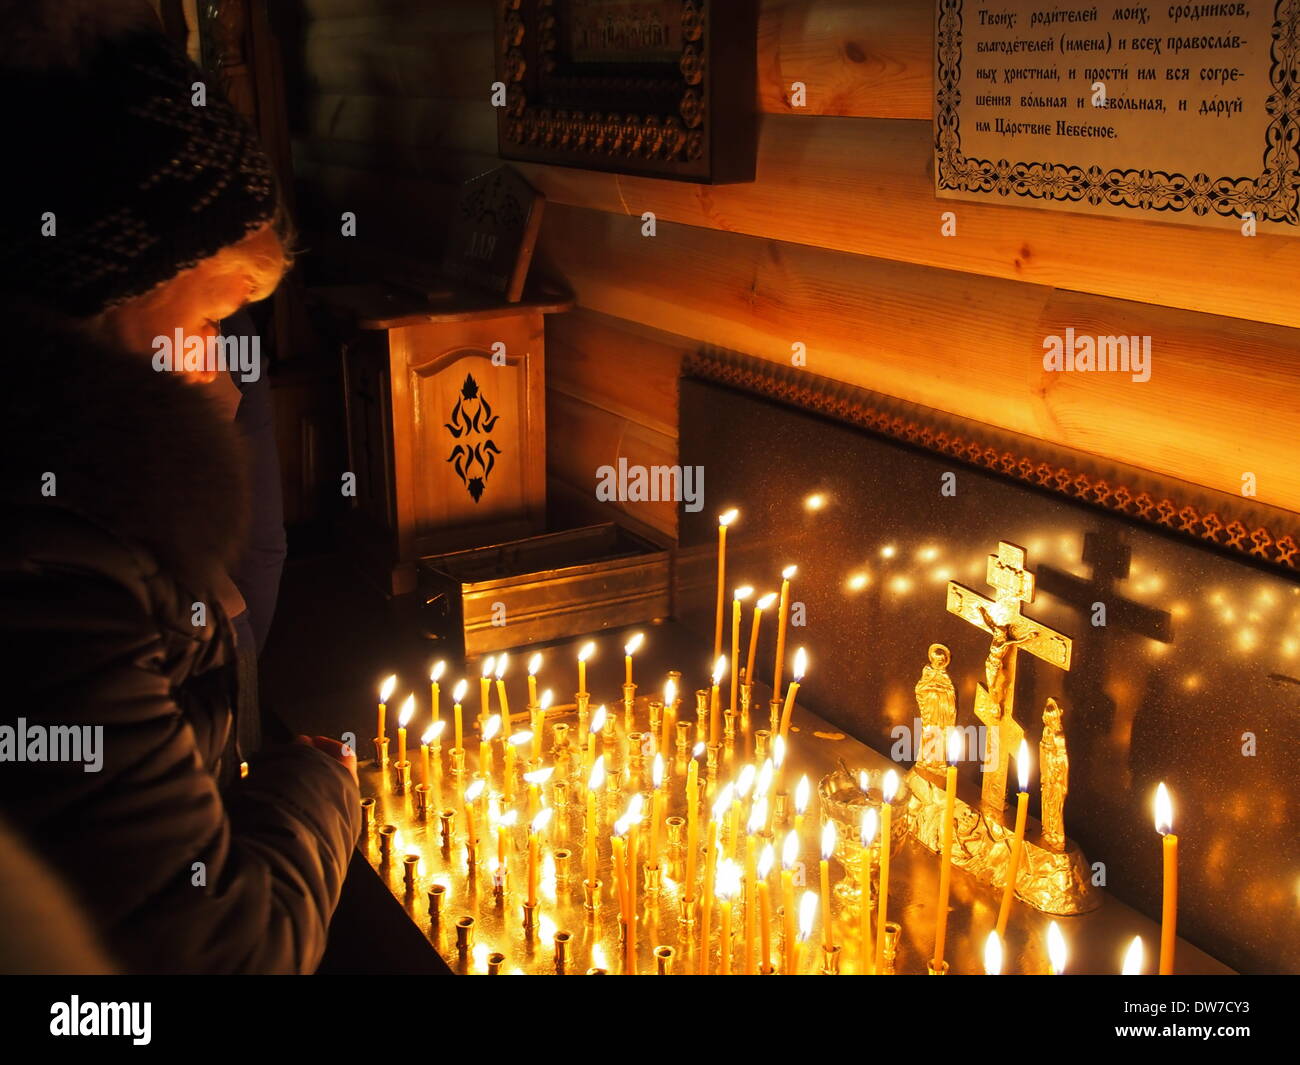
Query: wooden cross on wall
x=1000, y=617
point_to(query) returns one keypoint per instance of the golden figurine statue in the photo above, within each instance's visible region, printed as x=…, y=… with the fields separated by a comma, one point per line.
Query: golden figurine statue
x=936, y=698
x=995, y=666
x=1054, y=770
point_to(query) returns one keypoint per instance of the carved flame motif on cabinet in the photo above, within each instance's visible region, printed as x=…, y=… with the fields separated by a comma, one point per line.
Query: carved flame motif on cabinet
x=471, y=422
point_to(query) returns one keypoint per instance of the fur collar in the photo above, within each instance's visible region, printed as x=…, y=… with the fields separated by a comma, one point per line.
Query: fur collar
x=139, y=452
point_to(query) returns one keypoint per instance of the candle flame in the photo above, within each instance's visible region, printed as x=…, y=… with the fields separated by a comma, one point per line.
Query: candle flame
x=745, y=781
x=489, y=664
x=597, y=779
x=491, y=728
x=433, y=732
x=870, y=824
x=719, y=669
x=1056, y=949
x=815, y=501
x=408, y=712
x=519, y=739
x=765, y=862
x=743, y=592
x=807, y=914
x=790, y=850
x=800, y=665
x=545, y=700
x=598, y=718
x=458, y=693
x=789, y=572
x=586, y=651
x=802, y=792
x=634, y=809
x=1022, y=766
x=1164, y=810
x=634, y=644
x=722, y=802
x=828, y=840
x=698, y=749
x=670, y=692
x=657, y=771
x=474, y=791
x=765, y=777
x=542, y=819
x=993, y=955
x=727, y=517
x=507, y=820
x=439, y=668
x=726, y=882
x=889, y=786
x=620, y=827
x=534, y=664
x=954, y=746
x=778, y=751
x=1133, y=959
x=386, y=689
x=864, y=781
x=503, y=660
x=766, y=601
x=757, y=817
x=541, y=776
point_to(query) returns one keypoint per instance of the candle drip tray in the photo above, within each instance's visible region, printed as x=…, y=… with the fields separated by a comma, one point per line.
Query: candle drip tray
x=1054, y=882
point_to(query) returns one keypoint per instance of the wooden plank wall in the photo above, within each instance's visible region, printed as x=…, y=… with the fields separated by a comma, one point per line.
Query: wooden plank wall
x=837, y=245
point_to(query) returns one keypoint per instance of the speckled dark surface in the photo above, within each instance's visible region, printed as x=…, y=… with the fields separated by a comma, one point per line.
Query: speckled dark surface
x=1199, y=650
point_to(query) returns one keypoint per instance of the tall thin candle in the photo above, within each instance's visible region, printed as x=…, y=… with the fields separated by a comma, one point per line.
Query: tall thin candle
x=945, y=859
x=1169, y=909
x=485, y=691
x=762, y=604
x=1017, y=840
x=584, y=652
x=800, y=668
x=789, y=858
x=534, y=664
x=502, y=661
x=887, y=789
x=719, y=669
x=765, y=862
x=867, y=838
x=435, y=693
x=385, y=693
x=736, y=597
x=457, y=697
x=828, y=848
x=724, y=520
x=594, y=784
x=656, y=810
x=535, y=830
x=629, y=649
x=692, y=824
x=404, y=719
x=782, y=615
x=543, y=704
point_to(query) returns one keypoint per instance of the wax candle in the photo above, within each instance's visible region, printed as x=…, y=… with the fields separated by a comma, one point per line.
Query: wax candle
x=706, y=900
x=385, y=693
x=502, y=661
x=485, y=691
x=828, y=848
x=762, y=604
x=656, y=809
x=504, y=823
x=778, y=760
x=750, y=944
x=789, y=858
x=1018, y=839
x=543, y=704
x=534, y=664
x=692, y=824
x=633, y=819
x=535, y=831
x=508, y=780
x=807, y=918
x=584, y=653
x=435, y=693
x=629, y=649
x=488, y=734
x=471, y=818
x=993, y=955
x=945, y=859
x=719, y=670
x=800, y=667
x=737, y=596
x=724, y=520
x=887, y=789
x=457, y=697
x=728, y=883
x=765, y=862
x=431, y=736
x=670, y=698
x=802, y=793
x=1133, y=959
x=535, y=779
x=1056, y=949
x=404, y=719
x=594, y=730
x=594, y=783
x=782, y=615
x=1169, y=910
x=618, y=867
x=867, y=837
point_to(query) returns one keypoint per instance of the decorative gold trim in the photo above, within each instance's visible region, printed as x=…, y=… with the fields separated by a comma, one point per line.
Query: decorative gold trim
x=1237, y=526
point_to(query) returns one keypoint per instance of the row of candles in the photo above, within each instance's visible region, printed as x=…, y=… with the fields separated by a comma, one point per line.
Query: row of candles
x=726, y=877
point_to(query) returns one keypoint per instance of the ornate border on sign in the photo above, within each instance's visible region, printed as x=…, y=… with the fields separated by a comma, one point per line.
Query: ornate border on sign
x=667, y=138
x=1228, y=525
x=1273, y=196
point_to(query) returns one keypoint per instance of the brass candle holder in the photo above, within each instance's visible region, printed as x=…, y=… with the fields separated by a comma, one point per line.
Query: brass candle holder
x=464, y=935
x=420, y=795
x=652, y=879
x=530, y=919
x=729, y=726
x=401, y=772
x=494, y=962
x=562, y=951
x=684, y=729
x=437, y=896
x=893, y=932
x=656, y=718
x=933, y=970
x=381, y=751
x=636, y=756
x=629, y=706
x=367, y=816
x=457, y=758
x=583, y=701
x=591, y=897
x=386, y=834
x=410, y=866
x=762, y=744
x=702, y=715
x=711, y=754
x=562, y=858
x=664, y=957
x=686, y=911
x=831, y=960
x=447, y=828
x=774, y=717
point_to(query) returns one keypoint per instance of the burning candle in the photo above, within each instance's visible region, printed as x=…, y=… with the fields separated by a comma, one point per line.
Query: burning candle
x=887, y=788
x=656, y=809
x=945, y=859
x=535, y=830
x=1017, y=840
x=629, y=649
x=404, y=719
x=385, y=693
x=867, y=836
x=789, y=858
x=765, y=862
x=618, y=867
x=782, y=615
x=485, y=691
x=539, y=725
x=504, y=823
x=534, y=664
x=1133, y=959
x=594, y=730
x=1056, y=949
x=633, y=816
x=728, y=886
x=431, y=735
x=737, y=596
x=502, y=661
x=800, y=667
x=457, y=696
x=471, y=817
x=802, y=793
x=584, y=653
x=488, y=734
x=719, y=670
x=692, y=823
x=724, y=520
x=993, y=955
x=807, y=918
x=435, y=693
x=828, y=848
x=762, y=604
x=1169, y=911
x=670, y=699
x=594, y=783
x=535, y=779
x=751, y=900
x=710, y=872
x=508, y=780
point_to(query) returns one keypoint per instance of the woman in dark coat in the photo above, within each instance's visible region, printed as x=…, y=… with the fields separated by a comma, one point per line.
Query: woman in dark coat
x=123, y=503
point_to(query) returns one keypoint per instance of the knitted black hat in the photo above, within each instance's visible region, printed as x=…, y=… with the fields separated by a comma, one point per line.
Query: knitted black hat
x=116, y=179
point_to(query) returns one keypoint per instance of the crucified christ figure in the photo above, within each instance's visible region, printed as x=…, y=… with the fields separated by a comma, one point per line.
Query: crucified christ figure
x=995, y=666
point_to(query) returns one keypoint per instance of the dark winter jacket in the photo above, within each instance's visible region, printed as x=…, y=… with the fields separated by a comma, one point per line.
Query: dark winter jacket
x=121, y=506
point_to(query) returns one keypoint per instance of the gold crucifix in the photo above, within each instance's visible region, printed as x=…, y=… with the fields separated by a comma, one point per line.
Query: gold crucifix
x=1000, y=617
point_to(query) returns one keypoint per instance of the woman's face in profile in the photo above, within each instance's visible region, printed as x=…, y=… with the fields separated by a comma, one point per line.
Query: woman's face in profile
x=197, y=300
